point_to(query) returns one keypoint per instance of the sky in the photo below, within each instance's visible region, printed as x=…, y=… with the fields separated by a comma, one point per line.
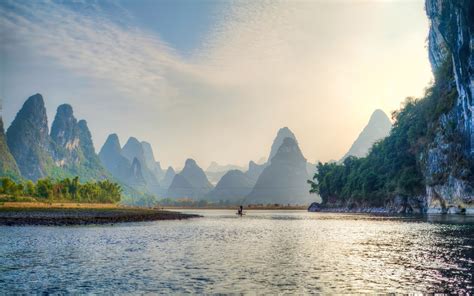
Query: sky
x=214, y=80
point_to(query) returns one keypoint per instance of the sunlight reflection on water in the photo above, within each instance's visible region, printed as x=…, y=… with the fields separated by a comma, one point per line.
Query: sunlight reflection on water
x=265, y=251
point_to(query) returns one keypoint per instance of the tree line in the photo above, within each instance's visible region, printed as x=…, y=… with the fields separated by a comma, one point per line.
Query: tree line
x=66, y=189
x=394, y=165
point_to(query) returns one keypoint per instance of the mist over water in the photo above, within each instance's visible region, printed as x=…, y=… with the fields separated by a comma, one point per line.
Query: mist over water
x=264, y=252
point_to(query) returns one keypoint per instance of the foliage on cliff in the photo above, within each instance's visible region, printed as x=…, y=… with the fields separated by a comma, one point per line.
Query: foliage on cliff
x=8, y=166
x=61, y=190
x=394, y=165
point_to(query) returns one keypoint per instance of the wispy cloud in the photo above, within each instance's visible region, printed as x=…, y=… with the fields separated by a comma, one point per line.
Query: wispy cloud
x=133, y=61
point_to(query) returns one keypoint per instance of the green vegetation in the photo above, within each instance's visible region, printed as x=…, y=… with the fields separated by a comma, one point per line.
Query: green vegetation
x=60, y=190
x=8, y=166
x=394, y=165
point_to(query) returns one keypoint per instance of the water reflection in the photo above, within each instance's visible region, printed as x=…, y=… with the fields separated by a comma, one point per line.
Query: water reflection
x=266, y=251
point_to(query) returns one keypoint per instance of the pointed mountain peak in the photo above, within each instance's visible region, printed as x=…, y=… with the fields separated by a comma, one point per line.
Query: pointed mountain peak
x=35, y=102
x=377, y=128
x=64, y=128
x=64, y=110
x=132, y=141
x=110, y=151
x=112, y=142
x=190, y=163
x=170, y=170
x=289, y=151
x=283, y=133
x=84, y=131
x=28, y=138
x=149, y=155
x=133, y=149
x=378, y=116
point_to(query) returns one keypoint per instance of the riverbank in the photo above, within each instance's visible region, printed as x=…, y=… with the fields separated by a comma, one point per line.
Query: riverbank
x=235, y=207
x=393, y=208
x=81, y=214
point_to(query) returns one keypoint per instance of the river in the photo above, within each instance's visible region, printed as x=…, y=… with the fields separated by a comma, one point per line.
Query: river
x=264, y=251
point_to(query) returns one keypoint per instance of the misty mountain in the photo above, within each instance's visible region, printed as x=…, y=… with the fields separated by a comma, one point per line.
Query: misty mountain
x=282, y=134
x=377, y=128
x=150, y=161
x=191, y=182
x=134, y=151
x=254, y=170
x=283, y=181
x=168, y=178
x=232, y=187
x=111, y=157
x=215, y=171
x=215, y=167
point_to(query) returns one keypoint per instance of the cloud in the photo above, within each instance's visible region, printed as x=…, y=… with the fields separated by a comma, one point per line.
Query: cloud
x=320, y=68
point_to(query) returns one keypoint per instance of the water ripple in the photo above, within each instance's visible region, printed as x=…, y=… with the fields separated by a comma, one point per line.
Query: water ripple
x=266, y=252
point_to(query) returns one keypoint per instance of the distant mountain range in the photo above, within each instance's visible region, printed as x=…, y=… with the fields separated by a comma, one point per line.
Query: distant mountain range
x=29, y=150
x=377, y=128
x=129, y=164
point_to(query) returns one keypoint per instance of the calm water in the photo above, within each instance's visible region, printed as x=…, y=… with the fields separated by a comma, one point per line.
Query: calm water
x=265, y=251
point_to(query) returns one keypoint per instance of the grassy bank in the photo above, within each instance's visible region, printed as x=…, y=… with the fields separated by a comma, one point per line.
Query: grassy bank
x=57, y=205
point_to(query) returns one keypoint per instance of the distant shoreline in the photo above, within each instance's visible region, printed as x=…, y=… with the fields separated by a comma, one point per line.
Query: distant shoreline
x=62, y=214
x=236, y=207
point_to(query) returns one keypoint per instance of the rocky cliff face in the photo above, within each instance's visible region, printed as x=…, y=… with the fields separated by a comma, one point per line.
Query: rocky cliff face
x=73, y=149
x=29, y=141
x=377, y=128
x=8, y=166
x=135, y=176
x=284, y=179
x=64, y=130
x=449, y=160
x=190, y=182
x=67, y=152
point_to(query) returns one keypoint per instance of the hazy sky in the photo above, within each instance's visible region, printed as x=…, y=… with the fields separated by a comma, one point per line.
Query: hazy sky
x=215, y=80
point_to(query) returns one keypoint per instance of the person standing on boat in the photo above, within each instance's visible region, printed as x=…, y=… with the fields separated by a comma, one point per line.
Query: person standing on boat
x=240, y=211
